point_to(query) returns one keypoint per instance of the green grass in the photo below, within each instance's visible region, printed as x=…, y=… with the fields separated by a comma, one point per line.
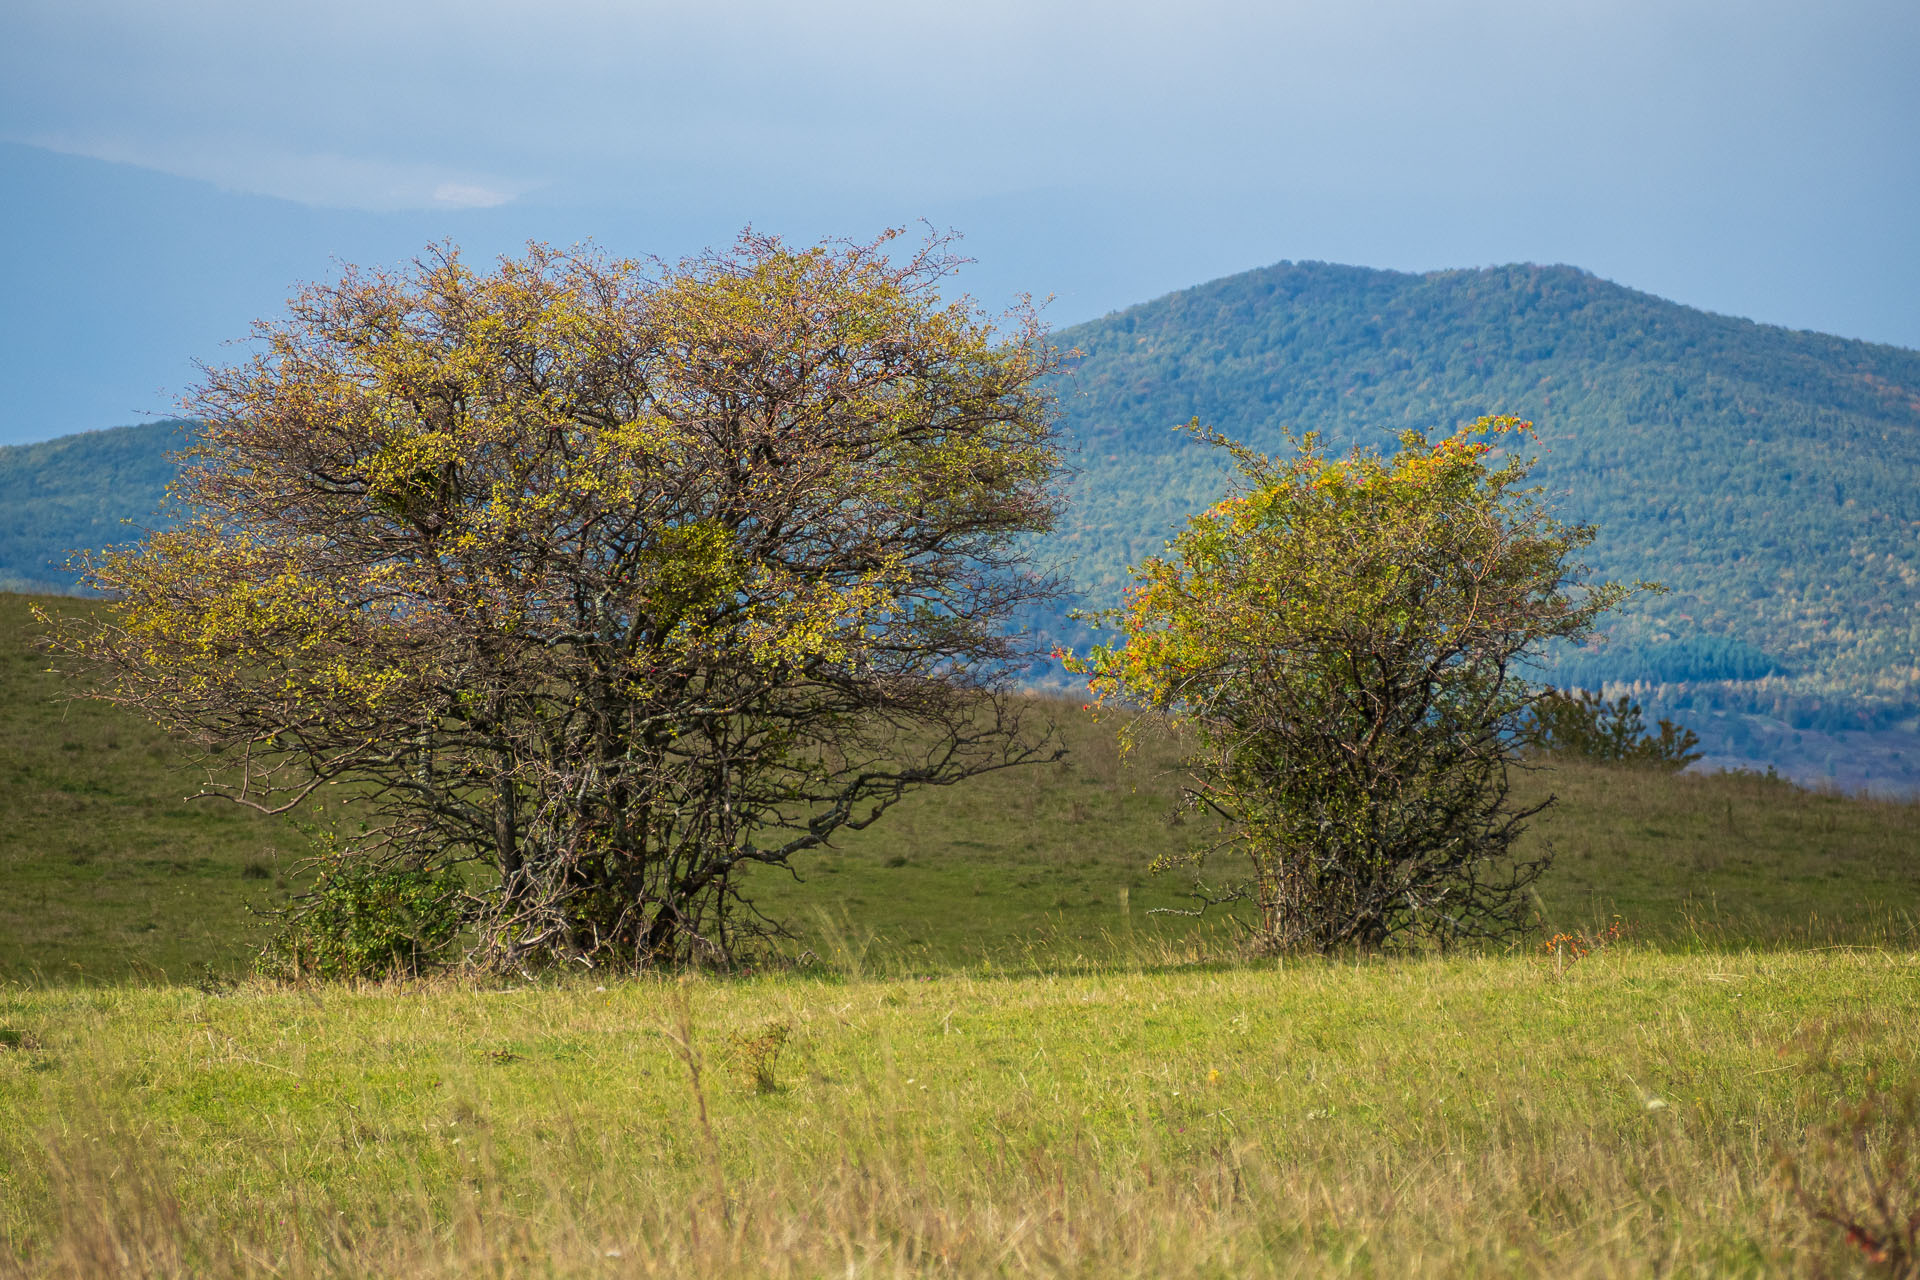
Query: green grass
x=1002, y=1063
x=1475, y=1115
x=106, y=872
x=1041, y=866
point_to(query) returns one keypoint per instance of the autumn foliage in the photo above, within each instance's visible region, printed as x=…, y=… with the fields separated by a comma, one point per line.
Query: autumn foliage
x=614, y=578
x=1346, y=642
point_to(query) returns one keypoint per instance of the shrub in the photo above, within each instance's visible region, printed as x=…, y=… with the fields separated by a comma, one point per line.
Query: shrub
x=1585, y=726
x=1344, y=638
x=757, y=1057
x=1569, y=949
x=361, y=920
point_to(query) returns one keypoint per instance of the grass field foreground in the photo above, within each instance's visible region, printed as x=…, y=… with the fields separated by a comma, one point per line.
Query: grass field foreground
x=1477, y=1115
x=1001, y=1061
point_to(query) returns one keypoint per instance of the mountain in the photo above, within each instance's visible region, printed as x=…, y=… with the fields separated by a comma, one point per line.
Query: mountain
x=78, y=493
x=1769, y=478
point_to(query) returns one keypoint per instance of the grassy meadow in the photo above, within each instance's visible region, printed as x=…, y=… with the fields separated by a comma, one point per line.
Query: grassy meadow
x=107, y=873
x=1003, y=1064
x=1472, y=1115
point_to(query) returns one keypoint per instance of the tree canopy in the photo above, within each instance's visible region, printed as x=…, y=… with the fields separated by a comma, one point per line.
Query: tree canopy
x=617, y=578
x=1347, y=641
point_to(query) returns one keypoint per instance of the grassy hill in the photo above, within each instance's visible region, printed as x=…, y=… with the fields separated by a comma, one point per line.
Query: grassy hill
x=998, y=1062
x=106, y=872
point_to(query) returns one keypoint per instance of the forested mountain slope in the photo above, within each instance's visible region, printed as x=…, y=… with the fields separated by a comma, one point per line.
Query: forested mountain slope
x=77, y=493
x=1771, y=478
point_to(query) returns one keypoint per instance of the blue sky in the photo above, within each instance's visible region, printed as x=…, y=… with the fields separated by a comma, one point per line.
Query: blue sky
x=174, y=169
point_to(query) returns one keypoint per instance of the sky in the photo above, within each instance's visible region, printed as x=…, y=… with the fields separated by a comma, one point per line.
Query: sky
x=170, y=172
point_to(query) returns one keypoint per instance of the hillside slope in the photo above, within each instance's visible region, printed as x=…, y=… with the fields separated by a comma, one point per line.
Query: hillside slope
x=1771, y=478
x=106, y=870
x=75, y=494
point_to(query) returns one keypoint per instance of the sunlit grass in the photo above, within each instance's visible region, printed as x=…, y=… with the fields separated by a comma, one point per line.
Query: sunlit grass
x=1477, y=1115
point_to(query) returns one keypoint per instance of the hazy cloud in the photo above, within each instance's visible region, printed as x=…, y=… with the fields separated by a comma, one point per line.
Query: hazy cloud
x=463, y=195
x=615, y=99
x=1748, y=155
x=321, y=179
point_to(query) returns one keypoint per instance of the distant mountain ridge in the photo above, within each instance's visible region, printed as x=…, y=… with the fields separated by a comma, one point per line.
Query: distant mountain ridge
x=1770, y=478
x=77, y=493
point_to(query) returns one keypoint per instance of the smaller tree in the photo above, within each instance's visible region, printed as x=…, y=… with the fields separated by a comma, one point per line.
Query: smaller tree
x=1583, y=725
x=1346, y=641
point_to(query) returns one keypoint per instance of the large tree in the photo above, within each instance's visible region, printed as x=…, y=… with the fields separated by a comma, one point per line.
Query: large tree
x=619, y=578
x=1347, y=642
